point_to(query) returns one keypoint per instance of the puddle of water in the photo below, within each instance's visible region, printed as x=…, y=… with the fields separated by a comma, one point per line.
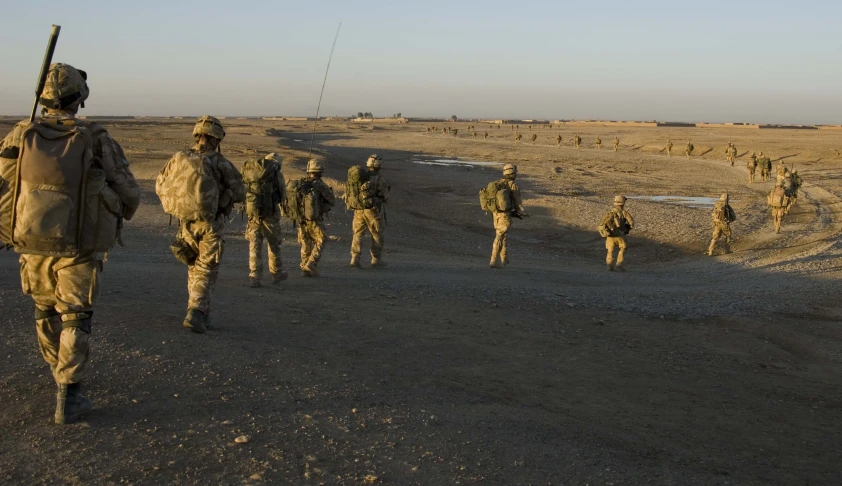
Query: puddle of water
x=697, y=202
x=296, y=140
x=445, y=162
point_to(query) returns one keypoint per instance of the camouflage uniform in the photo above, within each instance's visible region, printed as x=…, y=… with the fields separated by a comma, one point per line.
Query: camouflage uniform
x=781, y=170
x=616, y=232
x=577, y=140
x=503, y=220
x=311, y=234
x=371, y=219
x=795, y=185
x=723, y=215
x=689, y=149
x=65, y=289
x=558, y=140
x=733, y=154
x=669, y=148
x=534, y=137
x=518, y=136
x=616, y=143
x=598, y=143
x=765, y=166
x=205, y=237
x=485, y=136
x=777, y=202
x=268, y=227
x=752, y=167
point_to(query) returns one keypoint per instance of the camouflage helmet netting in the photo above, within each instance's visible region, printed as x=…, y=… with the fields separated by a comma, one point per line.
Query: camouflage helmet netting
x=619, y=200
x=509, y=169
x=315, y=165
x=66, y=87
x=208, y=125
x=374, y=161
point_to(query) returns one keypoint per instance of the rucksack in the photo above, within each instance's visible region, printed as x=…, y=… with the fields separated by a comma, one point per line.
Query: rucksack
x=614, y=224
x=187, y=188
x=720, y=213
x=777, y=197
x=303, y=200
x=260, y=177
x=52, y=200
x=690, y=147
x=359, y=192
x=496, y=197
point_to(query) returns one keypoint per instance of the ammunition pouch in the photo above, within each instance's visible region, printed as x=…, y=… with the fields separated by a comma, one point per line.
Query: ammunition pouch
x=183, y=252
x=46, y=314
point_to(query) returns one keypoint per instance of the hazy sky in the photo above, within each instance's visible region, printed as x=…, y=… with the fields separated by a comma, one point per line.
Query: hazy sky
x=766, y=61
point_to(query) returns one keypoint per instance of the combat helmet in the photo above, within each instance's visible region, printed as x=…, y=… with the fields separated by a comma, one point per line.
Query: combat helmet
x=66, y=87
x=509, y=169
x=619, y=200
x=374, y=161
x=315, y=165
x=724, y=197
x=208, y=125
x=274, y=156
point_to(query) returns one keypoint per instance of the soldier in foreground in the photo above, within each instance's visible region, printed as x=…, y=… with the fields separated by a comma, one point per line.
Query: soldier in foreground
x=312, y=199
x=265, y=193
x=778, y=201
x=751, y=165
x=503, y=200
x=59, y=269
x=669, y=148
x=616, y=143
x=370, y=215
x=723, y=215
x=615, y=225
x=200, y=188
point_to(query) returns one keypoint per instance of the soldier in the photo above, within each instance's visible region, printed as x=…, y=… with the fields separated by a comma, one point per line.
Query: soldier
x=733, y=154
x=534, y=137
x=761, y=162
x=503, y=218
x=518, y=136
x=201, y=236
x=728, y=153
x=475, y=134
x=577, y=140
x=616, y=143
x=777, y=201
x=455, y=131
x=598, y=143
x=371, y=219
x=265, y=192
x=689, y=149
x=752, y=167
x=485, y=136
x=795, y=185
x=614, y=227
x=558, y=140
x=781, y=170
x=767, y=163
x=723, y=215
x=669, y=148
x=63, y=277
x=311, y=233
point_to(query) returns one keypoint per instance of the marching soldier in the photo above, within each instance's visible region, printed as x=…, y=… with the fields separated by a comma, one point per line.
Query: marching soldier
x=598, y=143
x=616, y=143
x=752, y=167
x=265, y=192
x=669, y=148
x=503, y=217
x=615, y=225
x=371, y=219
x=778, y=201
x=723, y=215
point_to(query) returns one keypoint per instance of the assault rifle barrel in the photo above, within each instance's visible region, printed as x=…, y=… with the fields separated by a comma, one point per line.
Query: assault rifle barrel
x=45, y=69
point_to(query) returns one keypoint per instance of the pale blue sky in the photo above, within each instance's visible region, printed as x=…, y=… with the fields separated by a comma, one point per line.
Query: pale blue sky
x=766, y=61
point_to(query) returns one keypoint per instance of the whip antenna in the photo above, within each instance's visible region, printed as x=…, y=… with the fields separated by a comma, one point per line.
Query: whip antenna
x=313, y=137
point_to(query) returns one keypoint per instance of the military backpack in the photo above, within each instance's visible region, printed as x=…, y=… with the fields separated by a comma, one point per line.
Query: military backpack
x=303, y=200
x=53, y=201
x=496, y=197
x=187, y=187
x=262, y=178
x=777, y=198
x=359, y=190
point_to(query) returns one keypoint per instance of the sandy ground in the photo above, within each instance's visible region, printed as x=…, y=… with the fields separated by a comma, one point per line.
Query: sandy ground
x=686, y=369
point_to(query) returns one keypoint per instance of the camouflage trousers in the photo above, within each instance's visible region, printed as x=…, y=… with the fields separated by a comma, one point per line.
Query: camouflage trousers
x=615, y=242
x=719, y=230
x=502, y=223
x=256, y=230
x=311, y=236
x=371, y=220
x=778, y=217
x=764, y=175
x=751, y=173
x=206, y=240
x=64, y=291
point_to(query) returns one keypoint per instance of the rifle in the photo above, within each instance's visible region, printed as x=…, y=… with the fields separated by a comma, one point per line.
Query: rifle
x=45, y=69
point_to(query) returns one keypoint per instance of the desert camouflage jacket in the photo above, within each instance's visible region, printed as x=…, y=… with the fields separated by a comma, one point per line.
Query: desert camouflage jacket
x=514, y=190
x=381, y=189
x=232, y=190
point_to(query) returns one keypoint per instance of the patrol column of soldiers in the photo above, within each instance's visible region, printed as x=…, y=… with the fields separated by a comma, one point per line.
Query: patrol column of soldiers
x=503, y=219
x=64, y=282
x=723, y=215
x=371, y=219
x=752, y=167
x=311, y=233
x=266, y=192
x=615, y=225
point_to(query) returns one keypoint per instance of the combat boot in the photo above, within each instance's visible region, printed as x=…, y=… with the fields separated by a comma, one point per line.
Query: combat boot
x=610, y=267
x=355, y=261
x=620, y=267
x=496, y=264
x=70, y=404
x=376, y=262
x=254, y=282
x=195, y=321
x=278, y=277
x=310, y=270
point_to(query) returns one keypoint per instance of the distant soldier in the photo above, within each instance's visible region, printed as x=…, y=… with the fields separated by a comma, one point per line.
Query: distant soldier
x=752, y=167
x=598, y=143
x=795, y=185
x=728, y=153
x=534, y=137
x=616, y=143
x=311, y=231
x=615, y=225
x=371, y=216
x=577, y=141
x=689, y=150
x=444, y=131
x=558, y=140
x=767, y=163
x=200, y=235
x=778, y=201
x=518, y=136
x=265, y=193
x=428, y=130
x=475, y=134
x=733, y=154
x=455, y=131
x=781, y=170
x=506, y=202
x=485, y=135
x=669, y=148
x=764, y=171
x=723, y=215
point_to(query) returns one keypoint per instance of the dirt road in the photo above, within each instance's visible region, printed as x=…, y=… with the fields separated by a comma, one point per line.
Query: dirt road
x=686, y=369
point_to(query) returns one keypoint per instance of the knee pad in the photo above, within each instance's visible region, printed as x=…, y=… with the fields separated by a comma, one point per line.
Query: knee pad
x=82, y=324
x=46, y=314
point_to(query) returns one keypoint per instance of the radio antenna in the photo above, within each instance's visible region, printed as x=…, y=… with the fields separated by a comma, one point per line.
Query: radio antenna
x=324, y=81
